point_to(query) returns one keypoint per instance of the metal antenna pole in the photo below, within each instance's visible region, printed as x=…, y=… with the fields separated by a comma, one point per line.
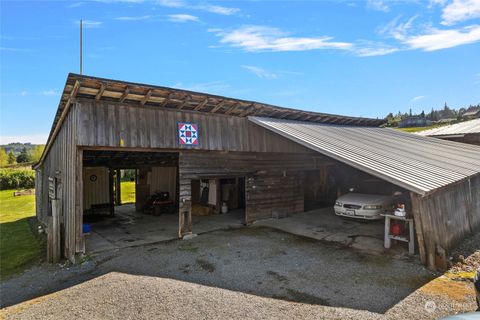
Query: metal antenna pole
x=81, y=58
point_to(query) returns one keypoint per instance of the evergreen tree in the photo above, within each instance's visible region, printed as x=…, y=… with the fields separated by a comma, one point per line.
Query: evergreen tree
x=11, y=158
x=24, y=156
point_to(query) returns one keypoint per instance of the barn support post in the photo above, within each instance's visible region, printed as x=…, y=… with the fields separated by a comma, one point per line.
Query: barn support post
x=118, y=184
x=185, y=207
x=418, y=226
x=56, y=254
x=79, y=237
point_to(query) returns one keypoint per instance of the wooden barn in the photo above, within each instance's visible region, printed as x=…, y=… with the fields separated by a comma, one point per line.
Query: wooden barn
x=194, y=155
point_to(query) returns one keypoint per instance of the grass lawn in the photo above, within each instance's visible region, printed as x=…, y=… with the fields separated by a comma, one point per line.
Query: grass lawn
x=417, y=129
x=127, y=188
x=19, y=247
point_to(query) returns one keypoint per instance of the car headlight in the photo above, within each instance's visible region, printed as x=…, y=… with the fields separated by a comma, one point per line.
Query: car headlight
x=372, y=207
x=338, y=204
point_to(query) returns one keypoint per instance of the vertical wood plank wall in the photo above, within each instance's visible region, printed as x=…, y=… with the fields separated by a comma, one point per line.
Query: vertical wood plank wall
x=121, y=125
x=62, y=163
x=274, y=181
x=95, y=192
x=446, y=216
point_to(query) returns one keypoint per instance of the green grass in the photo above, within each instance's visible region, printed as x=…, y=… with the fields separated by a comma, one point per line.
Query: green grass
x=127, y=188
x=417, y=129
x=19, y=247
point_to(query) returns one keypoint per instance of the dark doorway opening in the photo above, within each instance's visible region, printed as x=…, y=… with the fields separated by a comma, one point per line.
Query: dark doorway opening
x=218, y=200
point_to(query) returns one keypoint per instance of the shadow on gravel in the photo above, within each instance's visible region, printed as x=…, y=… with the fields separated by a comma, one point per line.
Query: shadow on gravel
x=254, y=260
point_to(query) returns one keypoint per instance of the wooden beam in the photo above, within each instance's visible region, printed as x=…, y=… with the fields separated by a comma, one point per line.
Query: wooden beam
x=100, y=92
x=146, y=97
x=218, y=106
x=250, y=108
x=185, y=101
x=201, y=104
x=125, y=94
x=233, y=108
x=167, y=99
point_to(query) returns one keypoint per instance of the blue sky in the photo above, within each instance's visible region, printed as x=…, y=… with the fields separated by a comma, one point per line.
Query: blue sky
x=360, y=58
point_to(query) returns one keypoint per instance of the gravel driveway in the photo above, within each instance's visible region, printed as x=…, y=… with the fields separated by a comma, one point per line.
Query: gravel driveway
x=234, y=274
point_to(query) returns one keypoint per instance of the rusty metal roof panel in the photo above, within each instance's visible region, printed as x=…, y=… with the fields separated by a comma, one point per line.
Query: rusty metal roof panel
x=462, y=128
x=416, y=163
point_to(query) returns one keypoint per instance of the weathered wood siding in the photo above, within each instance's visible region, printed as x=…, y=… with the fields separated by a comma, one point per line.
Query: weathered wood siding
x=471, y=138
x=63, y=162
x=273, y=180
x=121, y=125
x=95, y=192
x=445, y=217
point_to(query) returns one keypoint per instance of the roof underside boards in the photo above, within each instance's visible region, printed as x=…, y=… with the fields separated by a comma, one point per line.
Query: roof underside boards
x=462, y=128
x=416, y=163
x=100, y=89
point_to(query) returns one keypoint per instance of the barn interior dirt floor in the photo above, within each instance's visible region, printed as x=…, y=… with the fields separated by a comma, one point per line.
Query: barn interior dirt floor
x=253, y=272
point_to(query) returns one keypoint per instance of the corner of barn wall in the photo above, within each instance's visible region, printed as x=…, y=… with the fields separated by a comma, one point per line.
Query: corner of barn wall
x=446, y=217
x=39, y=212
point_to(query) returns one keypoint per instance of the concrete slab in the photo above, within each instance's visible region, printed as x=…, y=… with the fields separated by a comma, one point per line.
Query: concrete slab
x=323, y=224
x=129, y=228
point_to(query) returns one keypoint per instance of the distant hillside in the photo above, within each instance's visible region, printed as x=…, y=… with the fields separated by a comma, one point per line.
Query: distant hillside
x=17, y=147
x=440, y=116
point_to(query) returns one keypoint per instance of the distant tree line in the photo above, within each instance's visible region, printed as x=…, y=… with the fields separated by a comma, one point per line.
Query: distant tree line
x=31, y=155
x=434, y=115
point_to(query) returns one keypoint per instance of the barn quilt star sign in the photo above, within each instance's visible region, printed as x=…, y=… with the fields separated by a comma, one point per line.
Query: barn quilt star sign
x=188, y=134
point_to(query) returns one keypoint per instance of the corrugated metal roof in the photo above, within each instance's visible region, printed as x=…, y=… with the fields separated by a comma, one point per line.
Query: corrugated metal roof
x=419, y=164
x=462, y=128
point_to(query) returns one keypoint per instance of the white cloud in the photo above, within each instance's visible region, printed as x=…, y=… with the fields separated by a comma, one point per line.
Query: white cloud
x=460, y=10
x=417, y=98
x=171, y=3
x=226, y=11
x=378, y=5
x=215, y=87
x=428, y=38
x=14, y=49
x=50, y=92
x=436, y=39
x=182, y=18
x=75, y=5
x=40, y=138
x=373, y=50
x=24, y=93
x=134, y=18
x=398, y=30
x=262, y=38
x=89, y=23
x=260, y=72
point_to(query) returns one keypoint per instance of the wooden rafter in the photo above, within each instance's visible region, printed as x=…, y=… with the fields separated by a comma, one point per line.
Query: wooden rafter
x=248, y=110
x=184, y=103
x=146, y=97
x=233, y=108
x=100, y=92
x=201, y=104
x=125, y=94
x=167, y=99
x=218, y=106
x=73, y=93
